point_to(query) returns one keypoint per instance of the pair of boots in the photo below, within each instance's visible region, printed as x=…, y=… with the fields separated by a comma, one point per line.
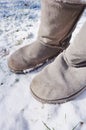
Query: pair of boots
x=63, y=79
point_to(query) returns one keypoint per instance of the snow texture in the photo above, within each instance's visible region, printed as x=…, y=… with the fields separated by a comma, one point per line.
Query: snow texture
x=19, y=23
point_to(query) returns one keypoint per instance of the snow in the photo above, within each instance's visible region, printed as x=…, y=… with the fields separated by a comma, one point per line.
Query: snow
x=19, y=23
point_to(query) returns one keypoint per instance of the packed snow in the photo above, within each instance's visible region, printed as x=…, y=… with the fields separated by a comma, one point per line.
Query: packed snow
x=19, y=23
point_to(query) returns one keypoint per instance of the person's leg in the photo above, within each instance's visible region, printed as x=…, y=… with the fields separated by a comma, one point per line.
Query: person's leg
x=57, y=23
x=65, y=78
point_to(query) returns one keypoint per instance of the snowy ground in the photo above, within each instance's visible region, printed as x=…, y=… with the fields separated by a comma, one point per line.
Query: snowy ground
x=19, y=22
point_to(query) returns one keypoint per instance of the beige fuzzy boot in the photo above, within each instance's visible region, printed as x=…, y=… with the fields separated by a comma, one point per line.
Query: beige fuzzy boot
x=65, y=78
x=57, y=23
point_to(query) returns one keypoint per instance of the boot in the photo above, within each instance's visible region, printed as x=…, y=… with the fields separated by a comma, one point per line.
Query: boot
x=83, y=2
x=65, y=78
x=57, y=23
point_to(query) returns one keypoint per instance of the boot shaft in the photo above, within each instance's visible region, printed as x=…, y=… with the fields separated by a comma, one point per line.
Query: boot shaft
x=76, y=52
x=58, y=21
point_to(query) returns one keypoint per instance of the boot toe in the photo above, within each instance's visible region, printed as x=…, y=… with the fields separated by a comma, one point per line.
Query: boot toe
x=37, y=89
x=16, y=62
x=12, y=63
x=44, y=90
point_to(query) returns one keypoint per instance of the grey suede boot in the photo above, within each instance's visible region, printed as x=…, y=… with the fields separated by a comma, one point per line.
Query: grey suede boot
x=57, y=23
x=65, y=78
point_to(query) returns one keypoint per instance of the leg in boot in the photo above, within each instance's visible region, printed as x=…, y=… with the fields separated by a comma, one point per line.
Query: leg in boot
x=57, y=23
x=65, y=78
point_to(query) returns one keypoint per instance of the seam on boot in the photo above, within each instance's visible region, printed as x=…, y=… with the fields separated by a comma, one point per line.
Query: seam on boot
x=66, y=60
x=70, y=64
x=60, y=48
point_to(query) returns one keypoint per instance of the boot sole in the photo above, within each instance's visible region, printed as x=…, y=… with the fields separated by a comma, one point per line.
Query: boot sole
x=59, y=101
